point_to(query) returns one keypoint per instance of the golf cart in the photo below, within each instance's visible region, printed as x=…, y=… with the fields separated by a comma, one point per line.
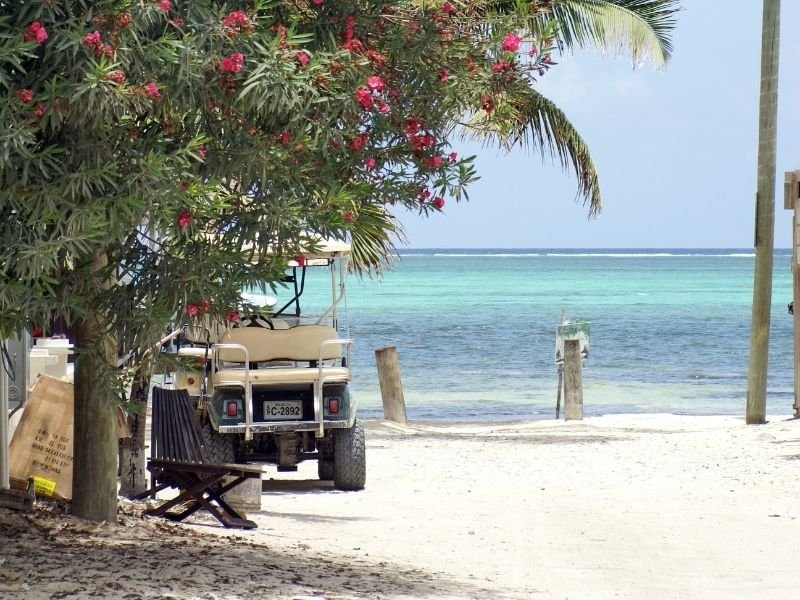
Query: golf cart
x=274, y=387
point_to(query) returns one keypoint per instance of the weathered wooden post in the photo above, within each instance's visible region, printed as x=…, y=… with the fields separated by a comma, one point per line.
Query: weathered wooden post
x=791, y=201
x=572, y=347
x=394, y=405
x=573, y=384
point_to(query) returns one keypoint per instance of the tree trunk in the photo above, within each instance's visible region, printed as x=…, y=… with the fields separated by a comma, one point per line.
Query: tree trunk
x=765, y=216
x=133, y=479
x=94, y=476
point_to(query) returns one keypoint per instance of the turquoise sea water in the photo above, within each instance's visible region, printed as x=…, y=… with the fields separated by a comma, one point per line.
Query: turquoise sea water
x=475, y=331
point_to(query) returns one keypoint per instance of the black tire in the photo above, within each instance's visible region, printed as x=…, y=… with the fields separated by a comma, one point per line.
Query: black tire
x=349, y=458
x=220, y=447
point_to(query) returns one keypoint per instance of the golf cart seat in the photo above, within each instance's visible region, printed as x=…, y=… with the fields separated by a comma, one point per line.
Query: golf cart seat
x=312, y=352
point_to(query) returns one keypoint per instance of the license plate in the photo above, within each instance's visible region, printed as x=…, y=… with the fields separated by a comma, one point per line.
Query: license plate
x=283, y=410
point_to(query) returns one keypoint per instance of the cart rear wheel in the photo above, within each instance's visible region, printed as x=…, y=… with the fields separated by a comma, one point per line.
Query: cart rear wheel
x=349, y=458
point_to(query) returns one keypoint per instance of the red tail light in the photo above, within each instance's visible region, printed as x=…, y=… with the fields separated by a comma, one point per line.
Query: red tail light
x=232, y=408
x=333, y=405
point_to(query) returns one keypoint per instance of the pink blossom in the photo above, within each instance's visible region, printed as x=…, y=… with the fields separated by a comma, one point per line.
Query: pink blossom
x=92, y=39
x=35, y=33
x=25, y=96
x=348, y=216
x=184, y=219
x=232, y=63
x=448, y=8
x=453, y=157
x=202, y=152
x=117, y=77
x=443, y=74
x=232, y=316
x=500, y=66
x=364, y=97
x=285, y=138
x=237, y=22
x=302, y=58
x=191, y=310
x=203, y=306
x=39, y=110
x=434, y=162
x=412, y=126
x=370, y=162
x=510, y=42
x=438, y=202
x=318, y=2
x=151, y=91
x=375, y=83
x=165, y=5
x=300, y=260
x=383, y=108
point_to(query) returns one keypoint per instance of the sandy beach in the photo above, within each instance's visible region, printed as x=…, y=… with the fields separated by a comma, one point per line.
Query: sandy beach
x=627, y=506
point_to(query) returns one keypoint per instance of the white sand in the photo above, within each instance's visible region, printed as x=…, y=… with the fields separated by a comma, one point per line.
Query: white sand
x=631, y=506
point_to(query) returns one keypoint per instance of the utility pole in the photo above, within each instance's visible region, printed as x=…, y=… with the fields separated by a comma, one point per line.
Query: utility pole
x=765, y=215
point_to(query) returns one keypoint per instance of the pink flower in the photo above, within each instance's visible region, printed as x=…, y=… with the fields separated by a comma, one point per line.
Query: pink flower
x=203, y=306
x=184, y=219
x=510, y=42
x=364, y=97
x=438, y=202
x=124, y=20
x=356, y=144
x=300, y=260
x=500, y=66
x=443, y=74
x=35, y=33
x=232, y=316
x=302, y=58
x=318, y=2
x=434, y=162
x=383, y=108
x=25, y=95
x=92, y=39
x=191, y=310
x=371, y=162
x=232, y=63
x=453, y=157
x=165, y=5
x=375, y=83
x=425, y=194
x=412, y=126
x=448, y=8
x=202, y=152
x=237, y=22
x=151, y=91
x=348, y=216
x=285, y=138
x=39, y=110
x=117, y=77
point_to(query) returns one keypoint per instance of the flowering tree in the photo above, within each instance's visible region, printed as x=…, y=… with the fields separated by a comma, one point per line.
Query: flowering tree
x=151, y=153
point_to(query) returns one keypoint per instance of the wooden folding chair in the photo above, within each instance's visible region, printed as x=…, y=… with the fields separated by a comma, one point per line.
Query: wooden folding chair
x=179, y=459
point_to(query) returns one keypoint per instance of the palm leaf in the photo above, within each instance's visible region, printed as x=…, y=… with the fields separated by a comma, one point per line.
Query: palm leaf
x=535, y=122
x=372, y=239
x=640, y=27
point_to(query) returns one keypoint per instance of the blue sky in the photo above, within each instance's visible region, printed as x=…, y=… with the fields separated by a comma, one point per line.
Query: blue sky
x=675, y=149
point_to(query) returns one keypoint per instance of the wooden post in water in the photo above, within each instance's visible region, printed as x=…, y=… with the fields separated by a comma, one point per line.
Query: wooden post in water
x=573, y=385
x=791, y=201
x=394, y=405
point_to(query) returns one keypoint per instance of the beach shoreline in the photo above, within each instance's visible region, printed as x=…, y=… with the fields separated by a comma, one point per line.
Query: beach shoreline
x=617, y=506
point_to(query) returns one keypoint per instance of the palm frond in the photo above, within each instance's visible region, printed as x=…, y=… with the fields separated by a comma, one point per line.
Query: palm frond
x=639, y=27
x=372, y=239
x=535, y=122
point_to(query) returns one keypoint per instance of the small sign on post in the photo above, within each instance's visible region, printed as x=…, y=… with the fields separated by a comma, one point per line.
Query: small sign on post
x=572, y=348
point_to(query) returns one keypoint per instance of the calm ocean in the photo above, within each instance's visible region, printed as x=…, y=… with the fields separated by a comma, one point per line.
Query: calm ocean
x=475, y=331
